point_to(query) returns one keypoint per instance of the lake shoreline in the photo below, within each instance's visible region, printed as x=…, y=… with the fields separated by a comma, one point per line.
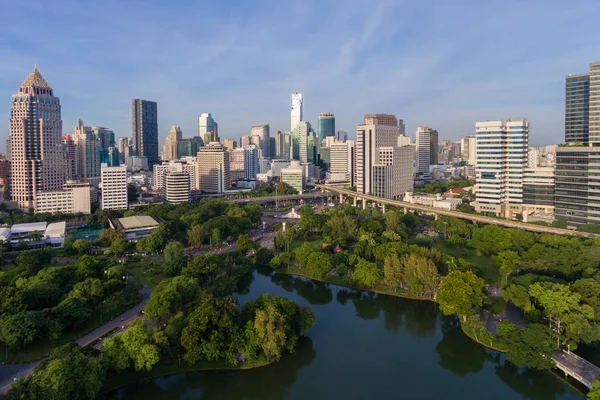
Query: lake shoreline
x=171, y=368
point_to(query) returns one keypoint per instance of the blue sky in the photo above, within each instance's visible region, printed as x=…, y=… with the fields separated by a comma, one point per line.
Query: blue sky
x=446, y=64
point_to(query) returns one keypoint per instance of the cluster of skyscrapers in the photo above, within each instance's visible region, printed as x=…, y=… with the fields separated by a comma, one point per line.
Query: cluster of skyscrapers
x=54, y=172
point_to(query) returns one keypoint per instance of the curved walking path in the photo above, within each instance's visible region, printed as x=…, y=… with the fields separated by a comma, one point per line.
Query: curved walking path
x=11, y=372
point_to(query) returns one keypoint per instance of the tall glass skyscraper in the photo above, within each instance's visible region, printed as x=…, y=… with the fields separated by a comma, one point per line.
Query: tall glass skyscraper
x=144, y=126
x=577, y=102
x=326, y=126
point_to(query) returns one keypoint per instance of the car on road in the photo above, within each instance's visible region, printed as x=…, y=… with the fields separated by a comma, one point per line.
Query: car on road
x=331, y=205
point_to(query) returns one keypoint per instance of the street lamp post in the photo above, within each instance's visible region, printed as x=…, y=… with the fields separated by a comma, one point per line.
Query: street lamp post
x=126, y=278
x=107, y=272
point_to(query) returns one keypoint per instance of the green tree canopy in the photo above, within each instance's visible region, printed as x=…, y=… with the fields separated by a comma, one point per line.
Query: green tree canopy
x=459, y=292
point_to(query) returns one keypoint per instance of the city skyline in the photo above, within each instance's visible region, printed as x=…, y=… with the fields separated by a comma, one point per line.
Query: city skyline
x=446, y=77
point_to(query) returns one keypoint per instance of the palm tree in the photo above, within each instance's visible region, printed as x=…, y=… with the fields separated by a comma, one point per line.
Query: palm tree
x=35, y=236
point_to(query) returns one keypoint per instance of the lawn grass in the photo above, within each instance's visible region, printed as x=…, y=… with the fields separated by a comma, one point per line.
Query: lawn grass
x=174, y=367
x=484, y=265
x=139, y=269
x=314, y=244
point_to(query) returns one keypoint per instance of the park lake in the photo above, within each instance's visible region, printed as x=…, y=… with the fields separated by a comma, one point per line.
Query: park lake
x=363, y=346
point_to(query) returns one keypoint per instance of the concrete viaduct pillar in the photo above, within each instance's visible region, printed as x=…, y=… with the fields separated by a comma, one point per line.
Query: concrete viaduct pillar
x=355, y=201
x=364, y=204
x=436, y=216
x=383, y=208
x=341, y=198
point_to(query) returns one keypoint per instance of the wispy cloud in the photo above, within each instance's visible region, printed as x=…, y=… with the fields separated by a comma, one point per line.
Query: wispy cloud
x=444, y=64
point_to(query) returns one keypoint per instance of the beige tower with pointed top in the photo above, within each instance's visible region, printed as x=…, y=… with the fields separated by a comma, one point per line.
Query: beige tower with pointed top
x=35, y=141
x=169, y=152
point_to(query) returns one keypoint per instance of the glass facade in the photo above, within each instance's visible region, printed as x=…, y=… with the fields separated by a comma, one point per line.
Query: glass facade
x=577, y=96
x=577, y=185
x=326, y=126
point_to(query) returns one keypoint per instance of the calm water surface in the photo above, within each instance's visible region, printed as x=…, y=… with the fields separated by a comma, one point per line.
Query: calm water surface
x=363, y=346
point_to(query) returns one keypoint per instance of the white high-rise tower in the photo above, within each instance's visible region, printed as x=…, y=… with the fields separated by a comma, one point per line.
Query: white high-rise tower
x=296, y=115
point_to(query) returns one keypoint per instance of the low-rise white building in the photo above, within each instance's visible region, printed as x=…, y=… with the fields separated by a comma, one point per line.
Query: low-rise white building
x=137, y=227
x=52, y=235
x=435, y=200
x=74, y=198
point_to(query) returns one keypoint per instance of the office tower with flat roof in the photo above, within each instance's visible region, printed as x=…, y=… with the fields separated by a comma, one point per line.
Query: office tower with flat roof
x=296, y=113
x=427, y=149
x=468, y=146
x=250, y=162
x=144, y=125
x=502, y=148
x=577, y=104
x=382, y=167
x=170, y=147
x=208, y=129
x=88, y=151
x=342, y=163
x=213, y=169
x=293, y=176
x=70, y=157
x=35, y=141
x=236, y=164
x=594, y=113
x=326, y=127
x=114, y=187
x=300, y=145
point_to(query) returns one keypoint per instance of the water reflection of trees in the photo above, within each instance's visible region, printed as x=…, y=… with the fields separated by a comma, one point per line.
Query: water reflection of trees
x=269, y=383
x=316, y=293
x=416, y=317
x=457, y=352
x=530, y=384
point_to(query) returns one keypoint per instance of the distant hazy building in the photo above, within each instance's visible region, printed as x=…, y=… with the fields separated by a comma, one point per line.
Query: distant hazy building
x=229, y=144
x=260, y=135
x=300, y=146
x=382, y=167
x=125, y=148
x=114, y=187
x=236, y=164
x=296, y=114
x=88, y=151
x=427, y=149
x=74, y=198
x=105, y=136
x=70, y=157
x=144, y=116
x=250, y=162
x=468, y=146
x=213, y=169
x=170, y=147
x=189, y=147
x=403, y=140
x=282, y=145
x=35, y=141
x=341, y=136
x=293, y=176
x=326, y=127
x=501, y=160
x=208, y=129
x=137, y=163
